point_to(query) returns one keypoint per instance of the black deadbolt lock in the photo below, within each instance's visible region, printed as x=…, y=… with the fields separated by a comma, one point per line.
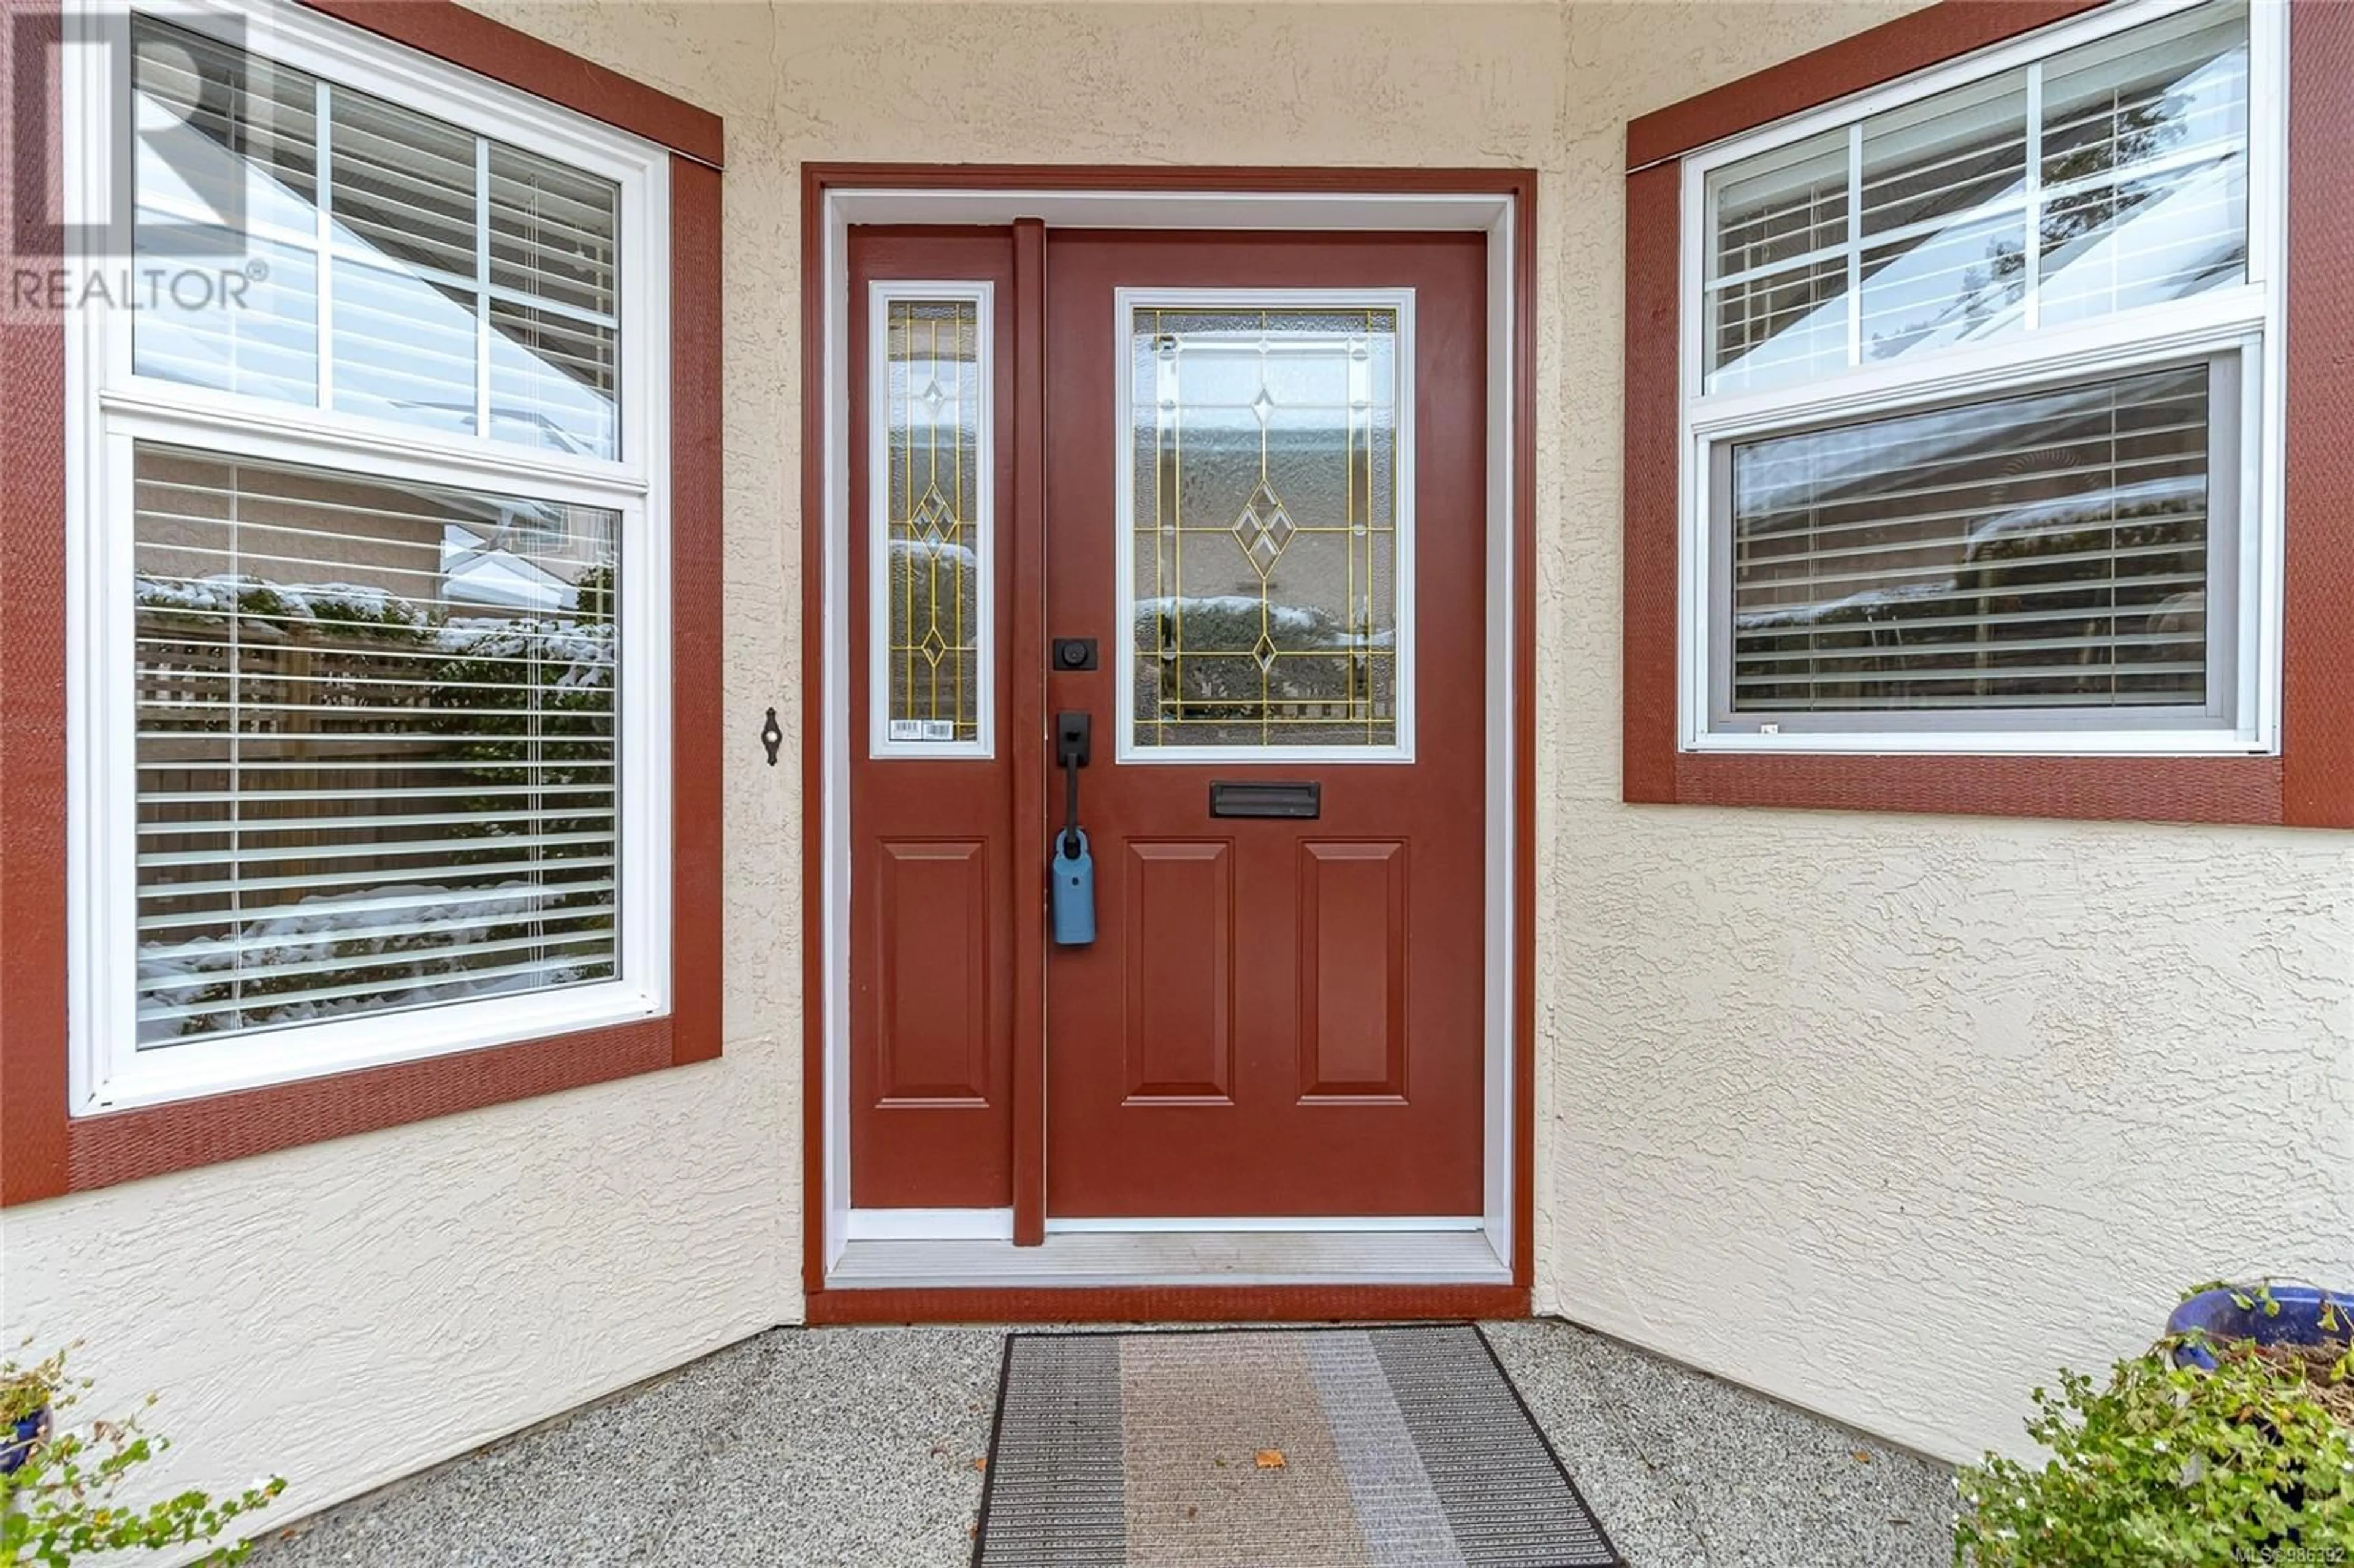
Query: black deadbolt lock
x=1075, y=652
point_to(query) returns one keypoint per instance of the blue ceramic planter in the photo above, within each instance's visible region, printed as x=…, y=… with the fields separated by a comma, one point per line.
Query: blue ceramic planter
x=19, y=1447
x=2298, y=1321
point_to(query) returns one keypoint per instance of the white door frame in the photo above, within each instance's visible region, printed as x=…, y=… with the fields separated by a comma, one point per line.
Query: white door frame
x=912, y=1248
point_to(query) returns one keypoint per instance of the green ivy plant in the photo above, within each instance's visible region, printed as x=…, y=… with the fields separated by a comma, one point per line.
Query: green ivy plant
x=61, y=1503
x=2168, y=1466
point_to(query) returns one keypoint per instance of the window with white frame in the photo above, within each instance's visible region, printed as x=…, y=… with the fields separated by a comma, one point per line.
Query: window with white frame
x=1979, y=406
x=368, y=469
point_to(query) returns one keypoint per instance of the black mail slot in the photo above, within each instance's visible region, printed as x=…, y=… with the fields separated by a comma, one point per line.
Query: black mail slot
x=1227, y=800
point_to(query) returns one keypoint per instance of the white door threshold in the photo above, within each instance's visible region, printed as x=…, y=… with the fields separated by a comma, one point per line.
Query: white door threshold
x=1089, y=1257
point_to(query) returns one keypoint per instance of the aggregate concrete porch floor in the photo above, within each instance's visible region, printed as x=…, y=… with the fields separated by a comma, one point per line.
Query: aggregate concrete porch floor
x=817, y=1448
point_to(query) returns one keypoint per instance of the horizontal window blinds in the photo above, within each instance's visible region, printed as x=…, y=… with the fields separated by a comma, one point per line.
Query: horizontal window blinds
x=2048, y=550
x=249, y=214
x=376, y=744
x=453, y=281
x=551, y=232
x=556, y=300
x=403, y=185
x=2126, y=160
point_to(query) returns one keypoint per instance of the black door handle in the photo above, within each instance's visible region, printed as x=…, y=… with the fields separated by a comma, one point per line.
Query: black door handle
x=1074, y=740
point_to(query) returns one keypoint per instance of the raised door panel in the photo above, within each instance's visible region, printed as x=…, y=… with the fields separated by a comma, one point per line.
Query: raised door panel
x=1179, y=936
x=932, y=941
x=1352, y=969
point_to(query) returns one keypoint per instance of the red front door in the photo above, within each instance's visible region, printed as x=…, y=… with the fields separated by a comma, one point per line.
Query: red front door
x=1280, y=1014
x=1263, y=505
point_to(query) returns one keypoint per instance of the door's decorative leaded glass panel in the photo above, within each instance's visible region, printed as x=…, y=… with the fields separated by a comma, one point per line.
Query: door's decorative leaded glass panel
x=1264, y=511
x=933, y=516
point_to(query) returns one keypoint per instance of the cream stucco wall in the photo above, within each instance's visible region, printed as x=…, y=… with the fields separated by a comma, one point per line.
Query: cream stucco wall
x=1883, y=1114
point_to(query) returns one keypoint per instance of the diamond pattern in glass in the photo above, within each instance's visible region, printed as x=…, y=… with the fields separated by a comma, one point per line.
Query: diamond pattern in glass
x=1263, y=528
x=1265, y=522
x=932, y=491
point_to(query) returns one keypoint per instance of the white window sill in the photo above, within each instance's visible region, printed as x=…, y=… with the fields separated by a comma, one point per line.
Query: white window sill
x=1961, y=743
x=160, y=1075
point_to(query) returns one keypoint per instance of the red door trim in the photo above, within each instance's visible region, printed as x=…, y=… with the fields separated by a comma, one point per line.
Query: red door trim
x=1026, y=651
x=1311, y=1301
x=808, y=726
x=1523, y=866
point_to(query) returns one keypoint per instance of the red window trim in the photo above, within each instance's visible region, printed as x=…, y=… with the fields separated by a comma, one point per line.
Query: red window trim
x=43, y=1151
x=2311, y=782
x=451, y=32
x=1900, y=47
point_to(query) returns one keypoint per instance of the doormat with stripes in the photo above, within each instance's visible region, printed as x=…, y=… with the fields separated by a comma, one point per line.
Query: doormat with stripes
x=1390, y=1448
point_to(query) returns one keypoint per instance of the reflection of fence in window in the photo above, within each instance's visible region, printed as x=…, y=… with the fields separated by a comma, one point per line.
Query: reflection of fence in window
x=1322, y=676
x=352, y=799
x=428, y=818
